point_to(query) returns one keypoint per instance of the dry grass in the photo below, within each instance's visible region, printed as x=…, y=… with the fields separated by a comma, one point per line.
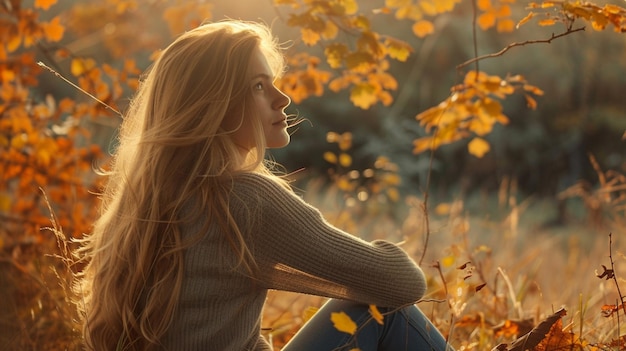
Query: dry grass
x=530, y=270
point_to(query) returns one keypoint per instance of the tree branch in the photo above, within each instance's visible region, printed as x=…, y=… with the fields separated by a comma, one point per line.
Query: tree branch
x=512, y=45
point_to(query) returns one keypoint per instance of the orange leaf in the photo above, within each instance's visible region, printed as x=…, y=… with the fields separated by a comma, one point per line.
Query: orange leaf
x=525, y=19
x=547, y=22
x=530, y=101
x=484, y=5
x=423, y=28
x=44, y=4
x=486, y=20
x=505, y=25
x=53, y=30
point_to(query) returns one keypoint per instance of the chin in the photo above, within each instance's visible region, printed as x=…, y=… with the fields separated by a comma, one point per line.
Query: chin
x=279, y=143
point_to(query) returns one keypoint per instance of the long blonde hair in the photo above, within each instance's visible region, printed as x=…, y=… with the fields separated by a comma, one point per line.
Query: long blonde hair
x=172, y=148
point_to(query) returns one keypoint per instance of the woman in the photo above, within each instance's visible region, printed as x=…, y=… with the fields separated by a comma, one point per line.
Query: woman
x=195, y=228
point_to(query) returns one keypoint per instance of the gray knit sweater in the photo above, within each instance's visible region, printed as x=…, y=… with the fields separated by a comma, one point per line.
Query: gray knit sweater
x=295, y=250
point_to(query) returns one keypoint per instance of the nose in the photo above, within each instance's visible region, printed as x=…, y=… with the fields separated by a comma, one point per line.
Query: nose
x=281, y=100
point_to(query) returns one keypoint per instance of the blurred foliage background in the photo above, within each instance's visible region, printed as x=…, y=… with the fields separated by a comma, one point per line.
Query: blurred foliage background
x=550, y=168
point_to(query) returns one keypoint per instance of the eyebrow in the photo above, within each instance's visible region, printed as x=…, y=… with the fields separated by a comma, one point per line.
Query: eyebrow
x=262, y=75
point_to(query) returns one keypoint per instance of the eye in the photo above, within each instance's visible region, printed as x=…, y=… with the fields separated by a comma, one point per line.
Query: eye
x=258, y=86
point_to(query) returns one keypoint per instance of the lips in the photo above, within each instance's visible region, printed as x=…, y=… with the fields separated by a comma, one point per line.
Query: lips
x=279, y=122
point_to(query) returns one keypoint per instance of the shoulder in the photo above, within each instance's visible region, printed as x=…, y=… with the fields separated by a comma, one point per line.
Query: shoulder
x=262, y=184
x=269, y=193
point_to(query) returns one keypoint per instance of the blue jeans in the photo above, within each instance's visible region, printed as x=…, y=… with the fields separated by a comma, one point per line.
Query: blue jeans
x=405, y=329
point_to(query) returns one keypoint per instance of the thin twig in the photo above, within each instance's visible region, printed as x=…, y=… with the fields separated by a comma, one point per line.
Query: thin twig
x=474, y=36
x=512, y=45
x=615, y=275
x=107, y=106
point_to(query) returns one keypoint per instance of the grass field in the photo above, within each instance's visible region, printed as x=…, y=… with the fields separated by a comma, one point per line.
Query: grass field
x=495, y=263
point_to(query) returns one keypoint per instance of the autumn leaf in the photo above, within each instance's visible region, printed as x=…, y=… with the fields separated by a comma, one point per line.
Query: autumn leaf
x=547, y=22
x=345, y=141
x=44, y=4
x=423, y=28
x=309, y=36
x=53, y=30
x=345, y=160
x=486, y=20
x=398, y=50
x=478, y=147
x=378, y=317
x=330, y=157
x=335, y=54
x=537, y=334
x=525, y=19
x=343, y=322
x=505, y=25
x=80, y=66
x=362, y=95
x=606, y=274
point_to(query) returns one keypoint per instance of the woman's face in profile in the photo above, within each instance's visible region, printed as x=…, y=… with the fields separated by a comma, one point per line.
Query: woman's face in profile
x=269, y=104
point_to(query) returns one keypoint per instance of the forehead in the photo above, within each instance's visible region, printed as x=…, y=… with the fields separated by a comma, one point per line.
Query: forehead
x=259, y=64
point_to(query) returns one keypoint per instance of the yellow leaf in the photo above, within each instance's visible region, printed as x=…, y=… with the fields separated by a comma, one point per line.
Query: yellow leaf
x=378, y=317
x=448, y=261
x=360, y=61
x=44, y=4
x=79, y=66
x=398, y=50
x=343, y=322
x=350, y=6
x=362, y=22
x=335, y=54
x=393, y=194
x=309, y=37
x=426, y=143
x=391, y=179
x=491, y=107
x=443, y=209
x=345, y=160
x=53, y=30
x=423, y=28
x=330, y=31
x=330, y=157
x=363, y=95
x=478, y=147
x=345, y=141
x=445, y=5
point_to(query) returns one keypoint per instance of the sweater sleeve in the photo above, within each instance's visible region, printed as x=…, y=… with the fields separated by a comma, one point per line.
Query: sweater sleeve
x=297, y=250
